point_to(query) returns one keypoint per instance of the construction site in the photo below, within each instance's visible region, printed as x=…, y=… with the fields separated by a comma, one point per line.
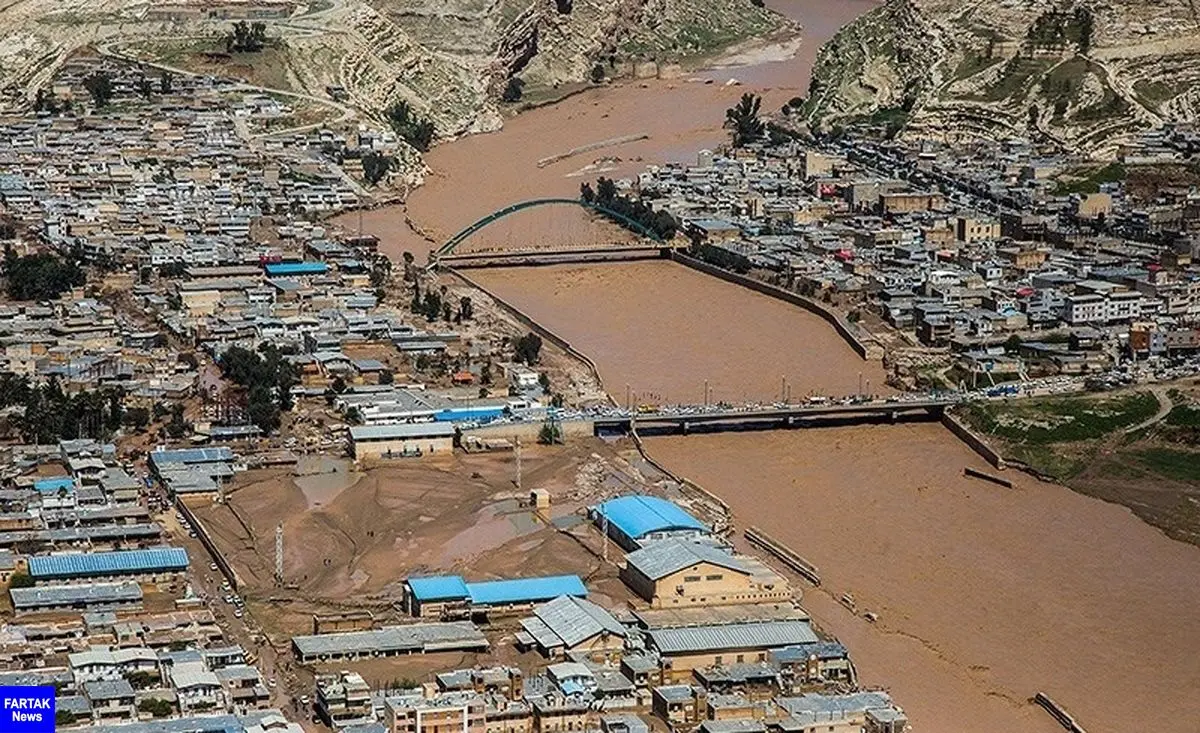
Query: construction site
x=349, y=535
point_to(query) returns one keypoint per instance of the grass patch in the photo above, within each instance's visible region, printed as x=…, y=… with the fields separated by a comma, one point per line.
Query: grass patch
x=1154, y=92
x=1015, y=79
x=974, y=63
x=1058, y=420
x=1175, y=464
x=1111, y=173
x=1183, y=415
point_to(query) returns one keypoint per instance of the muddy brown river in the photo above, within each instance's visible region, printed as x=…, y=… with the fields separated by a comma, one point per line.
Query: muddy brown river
x=985, y=595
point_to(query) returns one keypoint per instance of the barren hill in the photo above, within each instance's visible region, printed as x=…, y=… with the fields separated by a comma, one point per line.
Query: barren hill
x=448, y=58
x=1086, y=73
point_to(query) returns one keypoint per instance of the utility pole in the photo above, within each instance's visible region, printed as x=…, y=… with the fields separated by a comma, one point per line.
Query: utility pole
x=604, y=532
x=706, y=393
x=279, y=553
x=518, y=450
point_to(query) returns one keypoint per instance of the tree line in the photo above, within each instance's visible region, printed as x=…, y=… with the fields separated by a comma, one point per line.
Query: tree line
x=267, y=377
x=49, y=414
x=605, y=195
x=40, y=276
x=417, y=131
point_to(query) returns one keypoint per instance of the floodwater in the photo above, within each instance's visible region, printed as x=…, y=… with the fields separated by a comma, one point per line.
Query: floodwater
x=322, y=478
x=985, y=595
x=663, y=330
x=474, y=176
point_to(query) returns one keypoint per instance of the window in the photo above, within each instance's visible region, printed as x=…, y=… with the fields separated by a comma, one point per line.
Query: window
x=691, y=578
x=718, y=576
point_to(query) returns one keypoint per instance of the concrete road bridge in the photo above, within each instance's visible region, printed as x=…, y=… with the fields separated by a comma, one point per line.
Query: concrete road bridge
x=684, y=421
x=651, y=245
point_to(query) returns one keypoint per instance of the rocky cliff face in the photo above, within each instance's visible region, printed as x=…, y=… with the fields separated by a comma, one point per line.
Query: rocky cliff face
x=448, y=58
x=1087, y=73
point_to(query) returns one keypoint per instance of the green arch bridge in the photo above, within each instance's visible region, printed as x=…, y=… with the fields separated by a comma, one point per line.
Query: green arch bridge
x=451, y=244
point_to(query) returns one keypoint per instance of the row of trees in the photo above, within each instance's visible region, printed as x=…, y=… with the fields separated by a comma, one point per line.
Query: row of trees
x=417, y=131
x=435, y=304
x=267, y=377
x=605, y=195
x=246, y=37
x=49, y=414
x=40, y=276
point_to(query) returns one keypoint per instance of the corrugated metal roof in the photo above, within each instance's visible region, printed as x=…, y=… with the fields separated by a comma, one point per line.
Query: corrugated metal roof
x=62, y=595
x=296, y=268
x=456, y=635
x=637, y=515
x=567, y=621
x=438, y=588
x=525, y=590
x=108, y=563
x=401, y=431
x=191, y=455
x=758, y=635
x=664, y=558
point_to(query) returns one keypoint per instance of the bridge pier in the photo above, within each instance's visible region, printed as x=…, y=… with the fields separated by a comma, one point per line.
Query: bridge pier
x=892, y=415
x=685, y=427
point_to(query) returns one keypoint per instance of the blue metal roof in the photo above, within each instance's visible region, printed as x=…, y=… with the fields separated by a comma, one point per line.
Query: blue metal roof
x=637, y=516
x=51, y=485
x=108, y=563
x=191, y=455
x=296, y=268
x=526, y=590
x=438, y=588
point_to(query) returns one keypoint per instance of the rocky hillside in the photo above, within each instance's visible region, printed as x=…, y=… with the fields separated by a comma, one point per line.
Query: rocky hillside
x=1086, y=73
x=449, y=59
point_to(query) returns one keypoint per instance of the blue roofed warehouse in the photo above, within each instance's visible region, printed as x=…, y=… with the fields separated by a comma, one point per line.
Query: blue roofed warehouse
x=636, y=519
x=449, y=596
x=150, y=565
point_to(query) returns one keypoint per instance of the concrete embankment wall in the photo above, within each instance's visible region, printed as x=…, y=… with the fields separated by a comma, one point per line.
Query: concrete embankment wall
x=528, y=431
x=864, y=349
x=206, y=540
x=960, y=430
x=536, y=327
x=684, y=482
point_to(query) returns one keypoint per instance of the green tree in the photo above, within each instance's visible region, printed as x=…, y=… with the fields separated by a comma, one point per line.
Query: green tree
x=743, y=121
x=466, y=310
x=165, y=82
x=513, y=90
x=20, y=580
x=417, y=131
x=136, y=418
x=550, y=434
x=63, y=718
x=178, y=426
x=155, y=707
x=99, y=85
x=597, y=73
x=41, y=276
x=376, y=167
x=145, y=88
x=528, y=348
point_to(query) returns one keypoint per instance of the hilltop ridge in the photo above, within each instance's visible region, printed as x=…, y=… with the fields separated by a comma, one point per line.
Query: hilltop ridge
x=1085, y=74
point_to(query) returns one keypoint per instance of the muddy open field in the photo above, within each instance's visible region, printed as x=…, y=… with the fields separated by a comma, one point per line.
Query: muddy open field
x=351, y=536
